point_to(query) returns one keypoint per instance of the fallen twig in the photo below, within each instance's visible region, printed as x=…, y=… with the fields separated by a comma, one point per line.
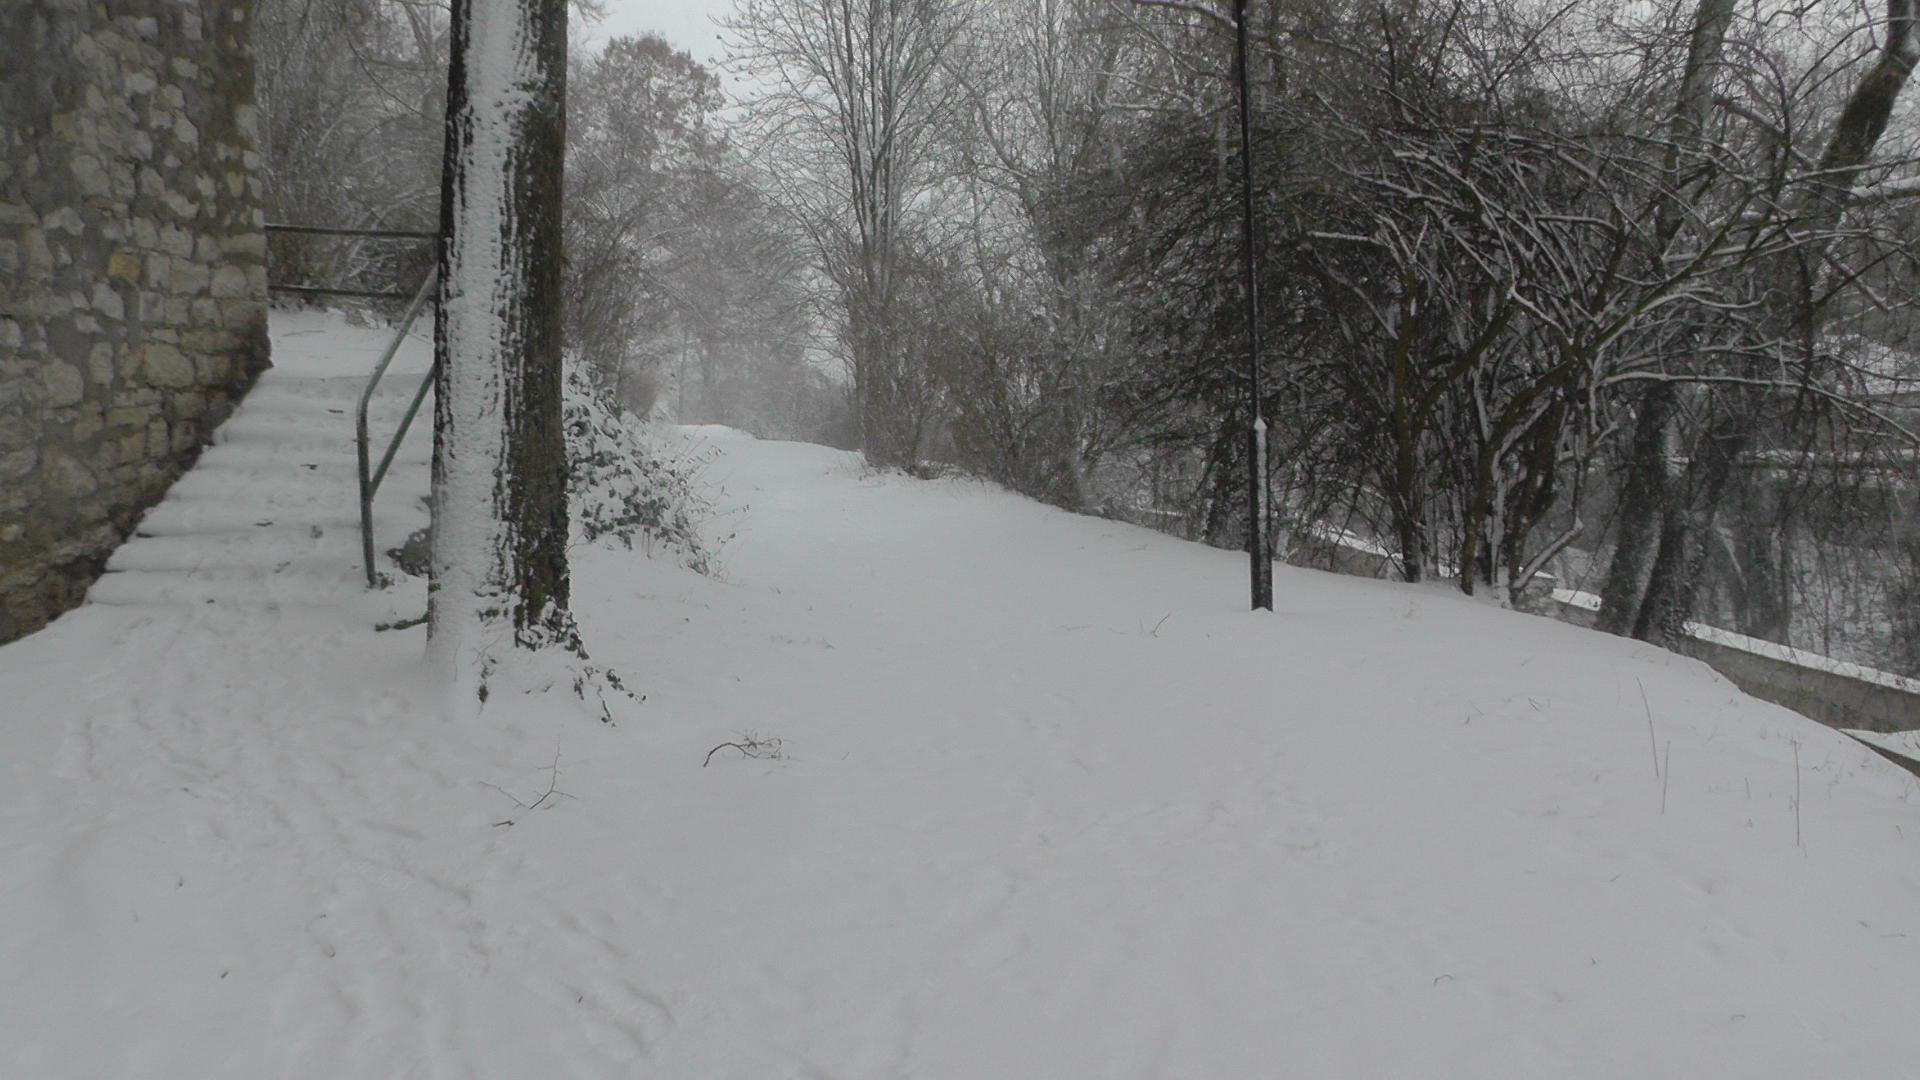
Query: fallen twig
x=750, y=745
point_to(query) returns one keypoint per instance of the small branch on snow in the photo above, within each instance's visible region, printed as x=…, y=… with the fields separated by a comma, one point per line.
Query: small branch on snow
x=553, y=783
x=751, y=745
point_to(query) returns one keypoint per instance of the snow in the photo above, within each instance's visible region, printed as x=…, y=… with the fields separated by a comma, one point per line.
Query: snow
x=1050, y=804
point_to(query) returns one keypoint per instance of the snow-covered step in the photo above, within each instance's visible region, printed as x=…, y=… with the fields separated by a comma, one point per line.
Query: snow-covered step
x=246, y=587
x=270, y=515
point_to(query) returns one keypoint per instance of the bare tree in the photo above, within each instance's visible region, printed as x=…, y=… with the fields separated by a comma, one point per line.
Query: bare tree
x=1795, y=242
x=857, y=94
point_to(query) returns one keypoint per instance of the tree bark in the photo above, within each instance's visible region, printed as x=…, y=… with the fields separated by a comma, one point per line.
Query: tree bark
x=1644, y=498
x=499, y=463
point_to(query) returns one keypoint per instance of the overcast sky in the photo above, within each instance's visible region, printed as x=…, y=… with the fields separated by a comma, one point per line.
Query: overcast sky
x=688, y=24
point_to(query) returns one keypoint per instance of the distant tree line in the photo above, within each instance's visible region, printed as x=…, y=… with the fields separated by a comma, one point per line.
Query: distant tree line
x=1623, y=291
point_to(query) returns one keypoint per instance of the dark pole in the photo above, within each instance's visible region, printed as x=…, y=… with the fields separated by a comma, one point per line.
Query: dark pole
x=1258, y=555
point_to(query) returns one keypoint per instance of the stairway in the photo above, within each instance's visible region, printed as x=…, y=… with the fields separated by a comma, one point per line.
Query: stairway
x=269, y=516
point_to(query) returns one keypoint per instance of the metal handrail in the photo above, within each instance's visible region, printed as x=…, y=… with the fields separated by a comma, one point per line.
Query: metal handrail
x=319, y=230
x=383, y=234
x=370, y=481
x=318, y=290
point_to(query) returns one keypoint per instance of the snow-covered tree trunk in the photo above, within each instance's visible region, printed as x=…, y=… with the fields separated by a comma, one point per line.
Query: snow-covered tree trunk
x=499, y=461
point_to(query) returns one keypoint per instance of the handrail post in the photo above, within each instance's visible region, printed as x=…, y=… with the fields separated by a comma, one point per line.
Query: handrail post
x=368, y=484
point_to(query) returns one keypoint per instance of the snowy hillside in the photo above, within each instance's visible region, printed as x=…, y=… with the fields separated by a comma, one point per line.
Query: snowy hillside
x=1047, y=803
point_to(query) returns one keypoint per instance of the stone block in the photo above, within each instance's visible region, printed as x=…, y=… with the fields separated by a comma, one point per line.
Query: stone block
x=186, y=406
x=214, y=369
x=100, y=364
x=108, y=303
x=235, y=314
x=181, y=206
x=253, y=244
x=88, y=421
x=131, y=416
x=158, y=440
x=202, y=341
x=185, y=133
x=135, y=396
x=230, y=282
x=176, y=241
x=19, y=463
x=65, y=475
x=39, y=254
x=123, y=265
x=63, y=383
x=89, y=175
x=165, y=366
x=66, y=220
x=206, y=312
x=188, y=278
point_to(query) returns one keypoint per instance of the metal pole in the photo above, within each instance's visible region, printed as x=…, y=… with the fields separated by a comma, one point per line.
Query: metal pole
x=1258, y=555
x=367, y=482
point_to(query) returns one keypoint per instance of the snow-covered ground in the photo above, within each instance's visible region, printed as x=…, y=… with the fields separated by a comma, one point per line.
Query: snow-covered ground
x=1049, y=804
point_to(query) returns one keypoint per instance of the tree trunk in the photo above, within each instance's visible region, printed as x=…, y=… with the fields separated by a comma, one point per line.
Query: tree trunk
x=1674, y=578
x=1644, y=498
x=499, y=463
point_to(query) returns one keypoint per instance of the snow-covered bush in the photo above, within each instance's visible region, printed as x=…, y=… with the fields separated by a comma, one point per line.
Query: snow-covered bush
x=622, y=483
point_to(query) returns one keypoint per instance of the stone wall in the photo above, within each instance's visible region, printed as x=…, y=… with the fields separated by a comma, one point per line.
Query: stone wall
x=132, y=272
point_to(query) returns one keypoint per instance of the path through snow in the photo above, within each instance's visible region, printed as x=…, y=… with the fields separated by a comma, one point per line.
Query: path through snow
x=1051, y=806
